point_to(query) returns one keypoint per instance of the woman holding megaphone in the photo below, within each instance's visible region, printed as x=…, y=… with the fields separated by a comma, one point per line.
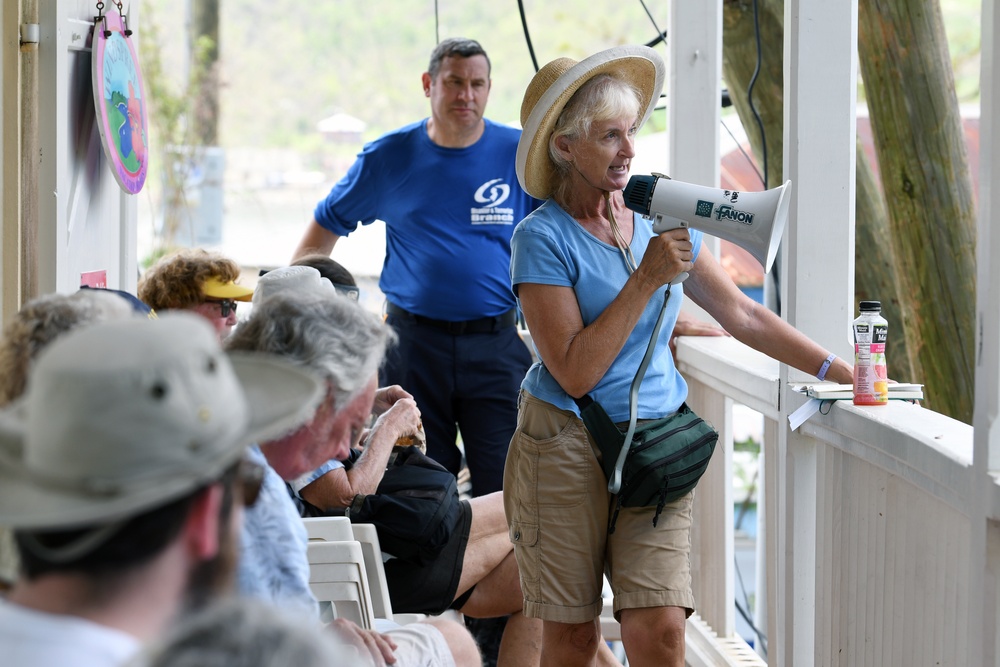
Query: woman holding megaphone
x=593, y=282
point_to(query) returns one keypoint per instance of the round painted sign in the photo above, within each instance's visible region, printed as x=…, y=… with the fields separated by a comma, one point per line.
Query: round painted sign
x=119, y=98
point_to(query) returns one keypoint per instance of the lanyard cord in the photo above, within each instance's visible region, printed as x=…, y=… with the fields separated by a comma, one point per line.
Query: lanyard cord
x=624, y=248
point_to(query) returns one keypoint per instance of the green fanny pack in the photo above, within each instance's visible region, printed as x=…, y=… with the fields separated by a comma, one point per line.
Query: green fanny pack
x=665, y=458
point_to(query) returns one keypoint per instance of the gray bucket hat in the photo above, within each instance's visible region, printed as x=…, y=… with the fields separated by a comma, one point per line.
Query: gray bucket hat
x=124, y=416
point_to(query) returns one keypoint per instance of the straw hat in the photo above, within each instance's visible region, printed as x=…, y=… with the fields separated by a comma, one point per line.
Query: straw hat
x=124, y=416
x=552, y=87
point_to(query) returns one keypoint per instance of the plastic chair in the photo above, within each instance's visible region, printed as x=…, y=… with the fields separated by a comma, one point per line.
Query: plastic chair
x=367, y=535
x=337, y=575
x=329, y=528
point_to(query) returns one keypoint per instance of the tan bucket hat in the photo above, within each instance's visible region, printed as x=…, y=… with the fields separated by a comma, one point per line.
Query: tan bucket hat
x=124, y=416
x=552, y=87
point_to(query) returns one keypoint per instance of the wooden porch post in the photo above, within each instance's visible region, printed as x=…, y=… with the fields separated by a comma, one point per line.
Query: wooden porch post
x=29, y=160
x=694, y=91
x=988, y=248
x=985, y=511
x=693, y=100
x=817, y=287
x=10, y=188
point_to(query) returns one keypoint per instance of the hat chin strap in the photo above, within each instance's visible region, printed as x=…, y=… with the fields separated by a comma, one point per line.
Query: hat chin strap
x=75, y=550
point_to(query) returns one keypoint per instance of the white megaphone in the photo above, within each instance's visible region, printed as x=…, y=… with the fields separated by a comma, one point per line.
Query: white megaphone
x=752, y=220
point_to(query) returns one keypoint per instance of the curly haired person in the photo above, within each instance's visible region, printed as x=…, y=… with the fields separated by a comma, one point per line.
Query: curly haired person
x=197, y=280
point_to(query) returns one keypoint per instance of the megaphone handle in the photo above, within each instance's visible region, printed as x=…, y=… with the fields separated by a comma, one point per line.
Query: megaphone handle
x=681, y=277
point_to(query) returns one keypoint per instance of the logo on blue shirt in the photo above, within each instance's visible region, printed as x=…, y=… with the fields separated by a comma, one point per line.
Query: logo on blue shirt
x=491, y=194
x=498, y=193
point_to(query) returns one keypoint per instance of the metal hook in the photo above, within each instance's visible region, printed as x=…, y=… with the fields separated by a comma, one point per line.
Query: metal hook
x=100, y=17
x=121, y=12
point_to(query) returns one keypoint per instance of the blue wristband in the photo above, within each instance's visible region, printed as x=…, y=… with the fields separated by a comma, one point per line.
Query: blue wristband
x=821, y=376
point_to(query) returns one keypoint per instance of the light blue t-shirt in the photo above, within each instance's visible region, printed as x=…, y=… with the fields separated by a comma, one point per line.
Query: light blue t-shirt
x=549, y=247
x=310, y=477
x=448, y=212
x=274, y=560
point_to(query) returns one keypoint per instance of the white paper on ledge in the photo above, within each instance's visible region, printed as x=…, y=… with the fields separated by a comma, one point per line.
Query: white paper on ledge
x=805, y=411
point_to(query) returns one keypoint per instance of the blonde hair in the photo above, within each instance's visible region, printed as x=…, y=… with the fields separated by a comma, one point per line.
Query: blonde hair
x=604, y=97
x=41, y=321
x=175, y=281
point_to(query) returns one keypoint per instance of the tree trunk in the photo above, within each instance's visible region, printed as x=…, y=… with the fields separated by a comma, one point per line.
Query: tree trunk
x=925, y=176
x=204, y=55
x=739, y=60
x=875, y=267
x=763, y=120
x=902, y=253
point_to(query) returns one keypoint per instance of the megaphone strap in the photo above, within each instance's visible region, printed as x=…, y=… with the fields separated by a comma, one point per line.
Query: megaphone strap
x=615, y=483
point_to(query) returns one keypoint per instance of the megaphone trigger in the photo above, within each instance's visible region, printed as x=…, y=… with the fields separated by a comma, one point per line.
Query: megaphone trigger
x=754, y=221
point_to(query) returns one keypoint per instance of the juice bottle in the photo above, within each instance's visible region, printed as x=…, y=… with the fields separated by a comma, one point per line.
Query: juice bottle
x=871, y=386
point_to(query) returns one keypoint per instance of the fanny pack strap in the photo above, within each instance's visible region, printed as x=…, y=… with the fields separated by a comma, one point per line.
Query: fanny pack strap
x=602, y=429
x=595, y=417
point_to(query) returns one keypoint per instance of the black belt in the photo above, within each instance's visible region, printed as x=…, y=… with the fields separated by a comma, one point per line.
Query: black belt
x=481, y=325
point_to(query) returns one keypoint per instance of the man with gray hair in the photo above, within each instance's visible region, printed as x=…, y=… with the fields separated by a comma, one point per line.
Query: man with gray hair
x=120, y=472
x=238, y=632
x=300, y=317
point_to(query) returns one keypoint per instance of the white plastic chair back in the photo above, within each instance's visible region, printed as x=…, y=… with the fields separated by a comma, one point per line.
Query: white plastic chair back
x=337, y=575
x=329, y=528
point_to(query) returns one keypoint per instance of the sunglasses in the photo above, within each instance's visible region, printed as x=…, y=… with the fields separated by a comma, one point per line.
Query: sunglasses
x=225, y=305
x=350, y=291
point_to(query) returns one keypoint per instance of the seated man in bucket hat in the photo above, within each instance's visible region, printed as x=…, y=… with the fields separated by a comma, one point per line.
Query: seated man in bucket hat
x=121, y=472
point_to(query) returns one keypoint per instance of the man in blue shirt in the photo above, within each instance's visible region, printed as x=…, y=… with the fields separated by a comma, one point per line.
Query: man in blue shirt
x=447, y=190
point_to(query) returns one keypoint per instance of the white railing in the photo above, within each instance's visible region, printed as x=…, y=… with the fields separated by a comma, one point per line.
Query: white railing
x=874, y=567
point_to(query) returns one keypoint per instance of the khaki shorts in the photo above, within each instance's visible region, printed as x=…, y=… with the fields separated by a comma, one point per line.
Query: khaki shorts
x=558, y=507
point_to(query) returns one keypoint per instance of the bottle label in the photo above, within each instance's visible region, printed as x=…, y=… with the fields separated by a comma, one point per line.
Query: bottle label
x=871, y=386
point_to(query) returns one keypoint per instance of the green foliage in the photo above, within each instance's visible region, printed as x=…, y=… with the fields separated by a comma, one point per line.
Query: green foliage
x=748, y=445
x=963, y=20
x=155, y=255
x=171, y=106
x=287, y=65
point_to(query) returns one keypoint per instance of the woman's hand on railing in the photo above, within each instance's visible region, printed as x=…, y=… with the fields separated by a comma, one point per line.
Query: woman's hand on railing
x=689, y=325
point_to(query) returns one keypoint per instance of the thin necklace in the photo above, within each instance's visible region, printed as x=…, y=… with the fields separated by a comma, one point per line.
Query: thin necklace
x=623, y=247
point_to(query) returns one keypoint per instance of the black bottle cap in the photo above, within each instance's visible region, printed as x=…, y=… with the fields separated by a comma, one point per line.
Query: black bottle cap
x=871, y=305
